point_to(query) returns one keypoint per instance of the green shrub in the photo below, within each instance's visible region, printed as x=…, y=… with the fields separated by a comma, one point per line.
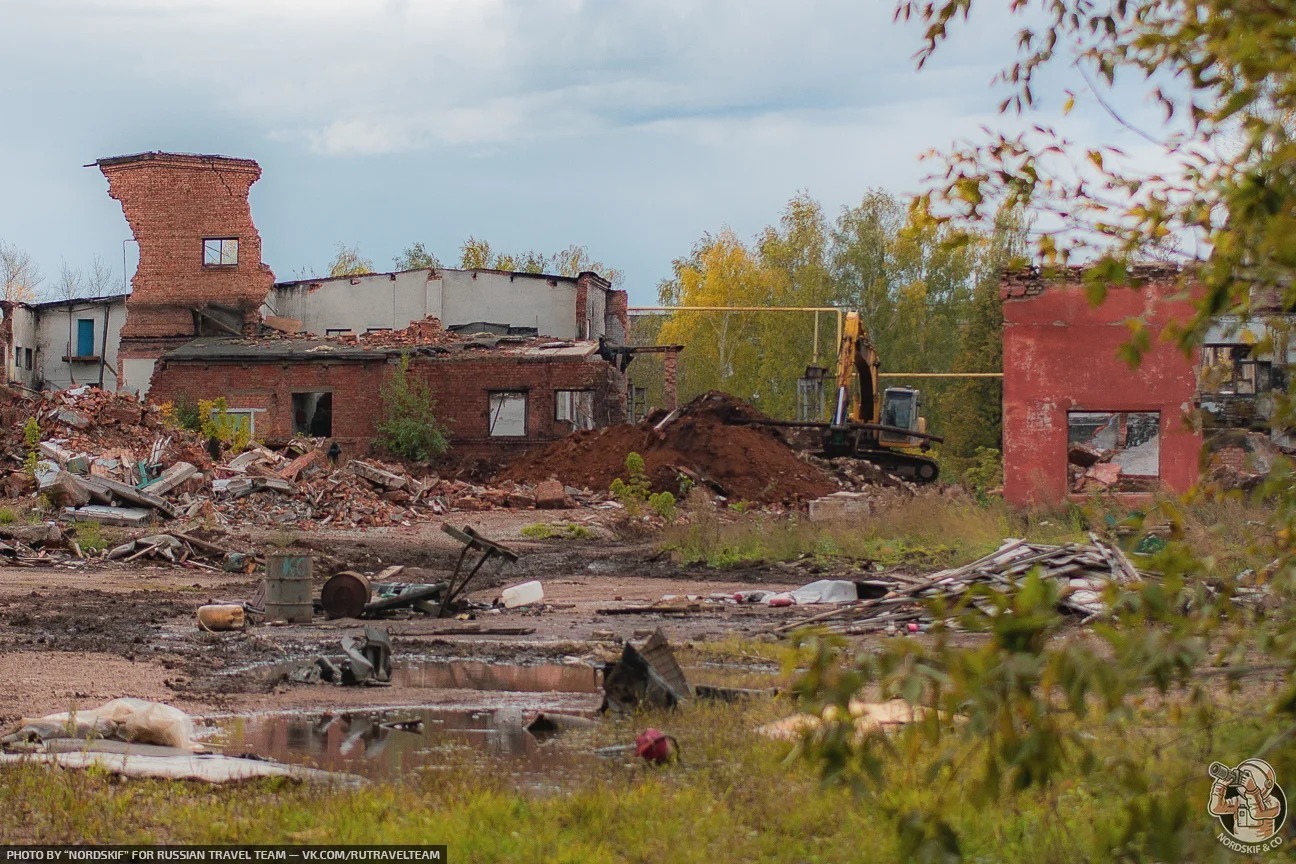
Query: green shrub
x=7, y=516
x=634, y=491
x=216, y=421
x=985, y=473
x=663, y=504
x=89, y=536
x=409, y=428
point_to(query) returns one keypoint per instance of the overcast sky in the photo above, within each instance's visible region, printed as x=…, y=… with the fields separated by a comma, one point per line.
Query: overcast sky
x=627, y=126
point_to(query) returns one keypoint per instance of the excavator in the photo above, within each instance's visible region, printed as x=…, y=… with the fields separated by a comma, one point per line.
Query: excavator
x=877, y=426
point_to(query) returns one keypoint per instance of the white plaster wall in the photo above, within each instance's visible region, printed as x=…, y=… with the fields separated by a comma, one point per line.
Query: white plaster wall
x=24, y=336
x=520, y=300
x=55, y=323
x=360, y=303
x=138, y=375
x=454, y=296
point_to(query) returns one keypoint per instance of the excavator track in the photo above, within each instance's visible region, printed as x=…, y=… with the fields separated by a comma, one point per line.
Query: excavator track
x=906, y=466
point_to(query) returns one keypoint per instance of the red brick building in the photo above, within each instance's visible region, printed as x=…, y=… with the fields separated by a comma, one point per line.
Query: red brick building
x=494, y=399
x=195, y=327
x=1066, y=390
x=200, y=269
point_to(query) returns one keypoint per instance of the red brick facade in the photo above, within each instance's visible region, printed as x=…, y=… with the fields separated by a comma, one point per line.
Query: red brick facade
x=461, y=387
x=1060, y=355
x=172, y=203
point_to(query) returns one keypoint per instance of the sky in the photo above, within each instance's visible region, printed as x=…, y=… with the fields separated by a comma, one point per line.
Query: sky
x=627, y=126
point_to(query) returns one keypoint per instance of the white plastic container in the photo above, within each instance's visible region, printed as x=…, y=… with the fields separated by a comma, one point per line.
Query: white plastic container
x=522, y=595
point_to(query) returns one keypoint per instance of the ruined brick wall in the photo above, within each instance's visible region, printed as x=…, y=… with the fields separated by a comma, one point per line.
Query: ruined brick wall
x=461, y=388
x=1060, y=355
x=617, y=326
x=172, y=202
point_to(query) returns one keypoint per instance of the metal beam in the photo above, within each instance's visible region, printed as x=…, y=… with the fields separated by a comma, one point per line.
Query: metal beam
x=816, y=309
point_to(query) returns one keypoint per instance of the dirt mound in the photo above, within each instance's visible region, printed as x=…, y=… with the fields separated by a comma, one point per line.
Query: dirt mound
x=747, y=463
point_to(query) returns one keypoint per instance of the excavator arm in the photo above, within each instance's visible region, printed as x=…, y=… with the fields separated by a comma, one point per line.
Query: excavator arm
x=857, y=358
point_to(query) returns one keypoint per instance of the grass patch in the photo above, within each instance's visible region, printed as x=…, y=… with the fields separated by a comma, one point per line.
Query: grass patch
x=927, y=532
x=8, y=516
x=557, y=530
x=733, y=797
x=90, y=537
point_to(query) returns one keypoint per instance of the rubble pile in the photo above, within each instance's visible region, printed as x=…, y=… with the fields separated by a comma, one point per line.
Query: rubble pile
x=698, y=442
x=1083, y=571
x=105, y=457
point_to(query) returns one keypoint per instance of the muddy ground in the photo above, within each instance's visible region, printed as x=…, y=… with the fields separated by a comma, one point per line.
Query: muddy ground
x=81, y=635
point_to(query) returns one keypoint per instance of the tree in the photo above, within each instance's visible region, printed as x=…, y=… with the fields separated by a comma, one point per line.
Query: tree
x=19, y=276
x=70, y=285
x=408, y=427
x=349, y=262
x=477, y=254
x=415, y=257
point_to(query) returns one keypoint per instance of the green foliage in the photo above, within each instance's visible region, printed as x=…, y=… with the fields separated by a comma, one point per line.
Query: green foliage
x=663, y=504
x=634, y=491
x=184, y=413
x=7, y=516
x=90, y=537
x=408, y=427
x=415, y=257
x=475, y=254
x=349, y=262
x=929, y=301
x=216, y=421
x=985, y=473
x=31, y=437
x=558, y=530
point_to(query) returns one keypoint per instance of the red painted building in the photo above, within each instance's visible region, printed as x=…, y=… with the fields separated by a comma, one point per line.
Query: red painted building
x=1068, y=394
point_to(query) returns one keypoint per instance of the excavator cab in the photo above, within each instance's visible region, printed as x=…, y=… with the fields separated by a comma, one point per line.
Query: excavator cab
x=901, y=408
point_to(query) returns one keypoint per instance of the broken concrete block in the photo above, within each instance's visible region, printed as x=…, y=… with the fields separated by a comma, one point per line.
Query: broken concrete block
x=840, y=505
x=171, y=478
x=32, y=535
x=520, y=501
x=131, y=517
x=53, y=451
x=46, y=474
x=376, y=475
x=75, y=419
x=550, y=495
x=245, y=460
x=68, y=491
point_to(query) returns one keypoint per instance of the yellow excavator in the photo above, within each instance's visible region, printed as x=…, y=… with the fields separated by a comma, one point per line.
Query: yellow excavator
x=877, y=426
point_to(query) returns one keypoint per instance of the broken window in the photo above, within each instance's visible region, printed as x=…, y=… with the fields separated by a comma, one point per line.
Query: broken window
x=17, y=357
x=220, y=251
x=236, y=420
x=337, y=331
x=1233, y=370
x=27, y=359
x=508, y=413
x=575, y=407
x=313, y=414
x=1113, y=450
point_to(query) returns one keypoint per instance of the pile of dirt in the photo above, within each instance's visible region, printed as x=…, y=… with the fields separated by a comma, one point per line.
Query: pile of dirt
x=741, y=462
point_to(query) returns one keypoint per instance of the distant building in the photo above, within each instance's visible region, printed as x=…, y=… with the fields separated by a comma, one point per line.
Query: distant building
x=62, y=343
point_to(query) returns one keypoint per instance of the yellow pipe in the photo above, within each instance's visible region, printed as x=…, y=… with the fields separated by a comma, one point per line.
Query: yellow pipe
x=816, y=309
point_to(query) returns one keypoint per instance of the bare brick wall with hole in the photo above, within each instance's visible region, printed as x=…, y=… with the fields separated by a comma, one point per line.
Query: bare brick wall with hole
x=1061, y=354
x=461, y=387
x=172, y=202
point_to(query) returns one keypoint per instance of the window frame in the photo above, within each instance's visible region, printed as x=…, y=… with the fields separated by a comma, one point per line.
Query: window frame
x=492, y=415
x=27, y=359
x=220, y=263
x=572, y=396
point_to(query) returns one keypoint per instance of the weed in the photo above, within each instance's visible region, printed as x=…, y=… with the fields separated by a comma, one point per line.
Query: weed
x=282, y=538
x=985, y=473
x=634, y=491
x=90, y=537
x=663, y=504
x=551, y=530
x=7, y=516
x=217, y=422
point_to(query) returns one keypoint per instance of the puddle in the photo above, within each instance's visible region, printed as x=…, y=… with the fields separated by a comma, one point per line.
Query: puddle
x=476, y=675
x=370, y=743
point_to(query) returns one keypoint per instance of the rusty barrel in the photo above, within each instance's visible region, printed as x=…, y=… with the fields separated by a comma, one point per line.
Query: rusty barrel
x=345, y=594
x=288, y=588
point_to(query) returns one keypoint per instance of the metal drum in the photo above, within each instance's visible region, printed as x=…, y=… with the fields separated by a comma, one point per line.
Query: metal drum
x=345, y=594
x=288, y=588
